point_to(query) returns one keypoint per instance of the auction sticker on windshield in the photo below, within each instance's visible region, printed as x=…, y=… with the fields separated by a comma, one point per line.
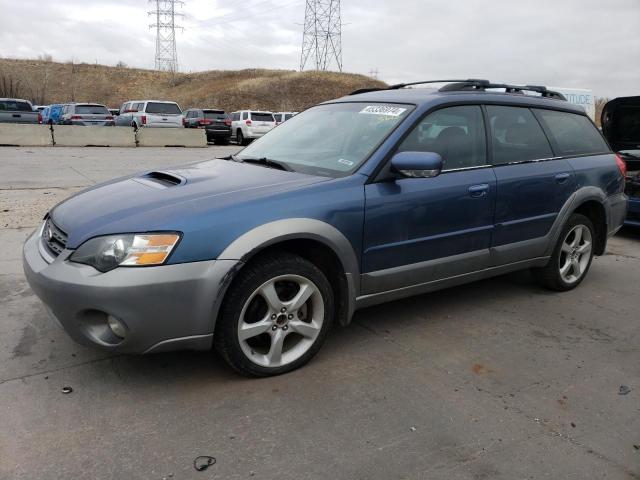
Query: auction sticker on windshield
x=383, y=110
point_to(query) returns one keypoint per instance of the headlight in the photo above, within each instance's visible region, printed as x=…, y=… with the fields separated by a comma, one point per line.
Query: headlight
x=133, y=250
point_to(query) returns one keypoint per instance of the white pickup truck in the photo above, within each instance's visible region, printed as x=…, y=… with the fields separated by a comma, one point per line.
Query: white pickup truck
x=15, y=110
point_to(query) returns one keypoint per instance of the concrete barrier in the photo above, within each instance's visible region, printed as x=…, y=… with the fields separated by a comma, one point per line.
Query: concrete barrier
x=79, y=136
x=22, y=135
x=171, y=137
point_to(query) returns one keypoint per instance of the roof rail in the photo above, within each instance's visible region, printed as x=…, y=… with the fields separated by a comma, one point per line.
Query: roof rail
x=473, y=84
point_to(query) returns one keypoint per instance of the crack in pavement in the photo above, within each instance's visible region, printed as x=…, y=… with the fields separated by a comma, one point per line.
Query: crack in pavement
x=59, y=369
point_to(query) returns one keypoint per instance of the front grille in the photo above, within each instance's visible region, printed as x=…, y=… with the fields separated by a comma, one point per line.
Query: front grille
x=53, y=238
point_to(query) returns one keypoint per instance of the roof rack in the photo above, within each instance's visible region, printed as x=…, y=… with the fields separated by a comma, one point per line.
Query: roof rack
x=473, y=84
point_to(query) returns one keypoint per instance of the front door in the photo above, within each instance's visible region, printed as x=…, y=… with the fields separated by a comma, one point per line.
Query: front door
x=422, y=229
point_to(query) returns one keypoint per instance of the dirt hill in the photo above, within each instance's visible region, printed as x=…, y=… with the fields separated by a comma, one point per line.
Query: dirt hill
x=46, y=82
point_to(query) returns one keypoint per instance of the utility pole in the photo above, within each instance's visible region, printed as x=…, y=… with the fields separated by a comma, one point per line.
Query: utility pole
x=322, y=36
x=373, y=73
x=165, y=24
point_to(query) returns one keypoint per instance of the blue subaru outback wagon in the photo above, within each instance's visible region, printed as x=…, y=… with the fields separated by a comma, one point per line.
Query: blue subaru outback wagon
x=372, y=197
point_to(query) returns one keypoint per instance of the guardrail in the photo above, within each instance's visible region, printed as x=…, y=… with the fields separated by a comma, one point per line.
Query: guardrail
x=18, y=135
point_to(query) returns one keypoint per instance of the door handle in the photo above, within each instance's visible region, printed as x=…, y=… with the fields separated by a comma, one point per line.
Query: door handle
x=562, y=178
x=479, y=191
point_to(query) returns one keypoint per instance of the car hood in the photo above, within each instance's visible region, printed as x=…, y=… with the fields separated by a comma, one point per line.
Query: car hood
x=165, y=200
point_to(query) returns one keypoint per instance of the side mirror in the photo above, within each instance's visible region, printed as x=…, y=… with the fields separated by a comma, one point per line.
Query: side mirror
x=417, y=164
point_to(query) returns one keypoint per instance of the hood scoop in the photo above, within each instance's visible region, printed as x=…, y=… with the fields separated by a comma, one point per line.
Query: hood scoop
x=159, y=179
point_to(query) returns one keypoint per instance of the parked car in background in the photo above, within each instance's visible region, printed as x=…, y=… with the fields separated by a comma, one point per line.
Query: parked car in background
x=52, y=113
x=150, y=113
x=620, y=122
x=114, y=111
x=282, y=117
x=216, y=123
x=16, y=110
x=86, y=114
x=358, y=201
x=39, y=108
x=247, y=125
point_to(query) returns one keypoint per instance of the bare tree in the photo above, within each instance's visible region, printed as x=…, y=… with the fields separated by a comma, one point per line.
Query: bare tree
x=12, y=87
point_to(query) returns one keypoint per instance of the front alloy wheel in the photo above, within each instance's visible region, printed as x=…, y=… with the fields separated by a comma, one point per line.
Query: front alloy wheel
x=281, y=320
x=275, y=316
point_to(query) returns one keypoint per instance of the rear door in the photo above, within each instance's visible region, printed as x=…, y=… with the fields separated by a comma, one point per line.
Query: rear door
x=162, y=114
x=262, y=122
x=419, y=230
x=532, y=184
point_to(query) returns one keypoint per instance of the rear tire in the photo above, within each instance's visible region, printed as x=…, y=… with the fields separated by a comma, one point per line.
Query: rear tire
x=571, y=256
x=275, y=316
x=240, y=138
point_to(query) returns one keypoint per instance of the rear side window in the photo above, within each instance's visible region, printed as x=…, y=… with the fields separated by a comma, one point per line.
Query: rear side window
x=516, y=136
x=15, y=106
x=92, y=109
x=456, y=133
x=572, y=134
x=163, y=108
x=262, y=117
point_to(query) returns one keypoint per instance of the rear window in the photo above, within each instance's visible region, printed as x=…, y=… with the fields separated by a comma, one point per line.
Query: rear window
x=92, y=109
x=288, y=116
x=572, y=134
x=215, y=115
x=262, y=117
x=15, y=106
x=165, y=108
x=516, y=136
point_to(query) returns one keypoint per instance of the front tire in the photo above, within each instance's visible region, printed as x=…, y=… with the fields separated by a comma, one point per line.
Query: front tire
x=275, y=317
x=571, y=256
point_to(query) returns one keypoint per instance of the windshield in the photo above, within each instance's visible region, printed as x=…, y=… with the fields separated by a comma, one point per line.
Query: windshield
x=92, y=109
x=164, y=108
x=330, y=140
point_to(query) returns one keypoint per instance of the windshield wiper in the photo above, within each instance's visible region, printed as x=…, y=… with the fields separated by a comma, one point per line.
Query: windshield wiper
x=267, y=162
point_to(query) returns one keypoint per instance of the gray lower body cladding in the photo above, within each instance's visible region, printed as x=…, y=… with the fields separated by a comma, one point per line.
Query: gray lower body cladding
x=168, y=307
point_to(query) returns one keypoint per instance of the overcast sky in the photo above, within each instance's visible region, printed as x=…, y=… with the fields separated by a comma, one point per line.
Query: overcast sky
x=569, y=43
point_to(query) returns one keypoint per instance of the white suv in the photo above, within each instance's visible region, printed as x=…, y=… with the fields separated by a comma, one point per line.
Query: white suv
x=149, y=113
x=282, y=117
x=247, y=125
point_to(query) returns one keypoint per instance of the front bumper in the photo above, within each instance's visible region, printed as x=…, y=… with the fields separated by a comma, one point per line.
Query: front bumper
x=168, y=307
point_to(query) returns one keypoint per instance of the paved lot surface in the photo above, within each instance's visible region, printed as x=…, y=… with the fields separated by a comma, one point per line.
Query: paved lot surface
x=498, y=379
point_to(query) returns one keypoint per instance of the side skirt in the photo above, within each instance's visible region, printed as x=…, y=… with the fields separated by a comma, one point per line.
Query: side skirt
x=409, y=291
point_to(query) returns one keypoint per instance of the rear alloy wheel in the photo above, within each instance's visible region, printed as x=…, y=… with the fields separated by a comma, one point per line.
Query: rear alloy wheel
x=275, y=317
x=571, y=258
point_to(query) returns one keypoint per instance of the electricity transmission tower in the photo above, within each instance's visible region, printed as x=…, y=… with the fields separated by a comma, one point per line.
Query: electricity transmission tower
x=165, y=25
x=322, y=37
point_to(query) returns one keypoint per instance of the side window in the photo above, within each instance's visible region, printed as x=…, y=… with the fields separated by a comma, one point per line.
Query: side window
x=516, y=135
x=245, y=115
x=456, y=133
x=571, y=134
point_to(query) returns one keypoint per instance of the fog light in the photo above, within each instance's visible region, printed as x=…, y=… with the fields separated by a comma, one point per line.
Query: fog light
x=116, y=326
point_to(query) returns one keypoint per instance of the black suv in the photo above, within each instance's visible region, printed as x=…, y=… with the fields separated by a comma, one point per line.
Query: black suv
x=216, y=123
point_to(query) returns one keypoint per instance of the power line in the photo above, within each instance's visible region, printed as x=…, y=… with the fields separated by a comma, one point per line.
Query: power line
x=322, y=36
x=165, y=14
x=373, y=73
